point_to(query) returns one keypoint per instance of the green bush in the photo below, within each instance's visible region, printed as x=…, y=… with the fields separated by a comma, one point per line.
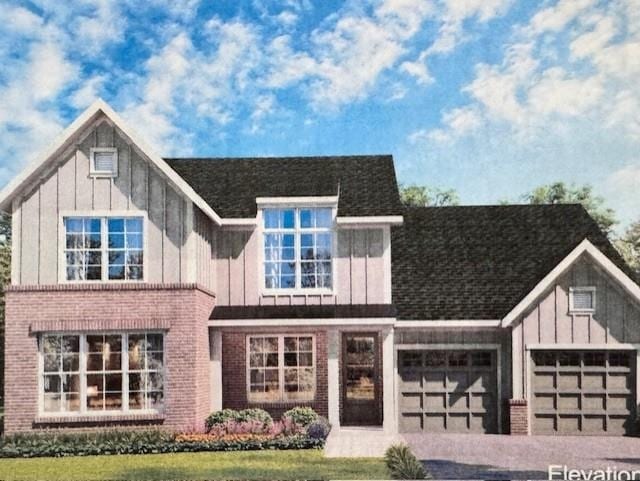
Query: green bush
x=135, y=442
x=403, y=464
x=254, y=414
x=220, y=417
x=302, y=416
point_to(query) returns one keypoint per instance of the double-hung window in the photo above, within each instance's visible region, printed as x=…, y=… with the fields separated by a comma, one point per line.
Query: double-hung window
x=298, y=248
x=103, y=248
x=102, y=373
x=281, y=368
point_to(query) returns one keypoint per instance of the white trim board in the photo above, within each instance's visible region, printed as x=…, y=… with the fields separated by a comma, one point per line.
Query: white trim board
x=447, y=324
x=585, y=247
x=306, y=322
x=300, y=201
x=69, y=135
x=369, y=220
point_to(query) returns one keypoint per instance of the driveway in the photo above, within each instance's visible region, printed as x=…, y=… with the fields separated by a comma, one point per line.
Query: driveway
x=469, y=456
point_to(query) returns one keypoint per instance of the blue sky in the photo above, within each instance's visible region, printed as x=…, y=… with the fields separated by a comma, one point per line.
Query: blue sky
x=490, y=97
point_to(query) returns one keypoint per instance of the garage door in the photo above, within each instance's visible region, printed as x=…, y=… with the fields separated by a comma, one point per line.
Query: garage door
x=583, y=392
x=448, y=391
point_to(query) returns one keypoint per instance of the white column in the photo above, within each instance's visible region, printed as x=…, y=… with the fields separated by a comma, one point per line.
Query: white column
x=389, y=418
x=215, y=369
x=516, y=362
x=333, y=376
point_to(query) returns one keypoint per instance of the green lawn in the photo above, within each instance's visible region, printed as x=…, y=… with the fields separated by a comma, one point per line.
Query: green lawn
x=304, y=464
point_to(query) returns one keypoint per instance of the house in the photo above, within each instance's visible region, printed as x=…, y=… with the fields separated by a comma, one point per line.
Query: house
x=150, y=292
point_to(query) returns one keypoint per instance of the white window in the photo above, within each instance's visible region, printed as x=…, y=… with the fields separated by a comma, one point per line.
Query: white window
x=104, y=248
x=582, y=299
x=280, y=368
x=104, y=162
x=298, y=248
x=102, y=373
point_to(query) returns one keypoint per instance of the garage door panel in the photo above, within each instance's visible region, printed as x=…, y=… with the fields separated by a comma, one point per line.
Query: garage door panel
x=411, y=422
x=412, y=401
x=435, y=422
x=583, y=392
x=459, y=391
x=458, y=381
x=435, y=380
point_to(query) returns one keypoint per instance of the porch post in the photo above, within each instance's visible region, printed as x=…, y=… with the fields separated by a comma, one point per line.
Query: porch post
x=333, y=376
x=389, y=419
x=215, y=369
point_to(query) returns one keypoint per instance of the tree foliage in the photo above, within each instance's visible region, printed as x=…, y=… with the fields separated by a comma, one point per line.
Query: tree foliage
x=561, y=193
x=629, y=246
x=423, y=196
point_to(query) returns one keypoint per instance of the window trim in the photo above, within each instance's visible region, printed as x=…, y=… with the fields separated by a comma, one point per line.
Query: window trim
x=102, y=173
x=83, y=412
x=280, y=337
x=102, y=214
x=299, y=290
x=590, y=289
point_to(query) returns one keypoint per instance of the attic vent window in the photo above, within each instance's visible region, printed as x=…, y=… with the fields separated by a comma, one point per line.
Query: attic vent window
x=582, y=299
x=104, y=162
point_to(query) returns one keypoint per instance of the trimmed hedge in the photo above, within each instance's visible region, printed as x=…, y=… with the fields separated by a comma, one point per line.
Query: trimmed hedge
x=136, y=442
x=220, y=417
x=302, y=416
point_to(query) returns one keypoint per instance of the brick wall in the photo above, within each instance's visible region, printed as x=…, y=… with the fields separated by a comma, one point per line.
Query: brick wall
x=234, y=381
x=518, y=417
x=182, y=310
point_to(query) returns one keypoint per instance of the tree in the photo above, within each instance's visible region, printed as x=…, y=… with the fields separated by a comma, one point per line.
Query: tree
x=629, y=246
x=423, y=196
x=560, y=193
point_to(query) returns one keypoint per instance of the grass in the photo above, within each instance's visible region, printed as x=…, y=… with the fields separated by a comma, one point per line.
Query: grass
x=284, y=465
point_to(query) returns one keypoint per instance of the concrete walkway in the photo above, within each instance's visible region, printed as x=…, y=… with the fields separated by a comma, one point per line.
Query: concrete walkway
x=361, y=442
x=469, y=456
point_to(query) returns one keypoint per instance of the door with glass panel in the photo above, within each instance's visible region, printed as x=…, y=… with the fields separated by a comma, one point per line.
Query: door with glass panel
x=361, y=402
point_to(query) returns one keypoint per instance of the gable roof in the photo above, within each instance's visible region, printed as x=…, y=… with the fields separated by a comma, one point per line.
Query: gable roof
x=366, y=184
x=72, y=133
x=479, y=262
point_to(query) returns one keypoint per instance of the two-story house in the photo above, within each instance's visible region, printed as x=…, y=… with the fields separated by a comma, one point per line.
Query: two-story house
x=148, y=291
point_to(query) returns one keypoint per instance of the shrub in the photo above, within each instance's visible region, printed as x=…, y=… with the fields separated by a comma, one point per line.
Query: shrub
x=403, y=464
x=302, y=416
x=224, y=416
x=319, y=429
x=254, y=414
x=142, y=442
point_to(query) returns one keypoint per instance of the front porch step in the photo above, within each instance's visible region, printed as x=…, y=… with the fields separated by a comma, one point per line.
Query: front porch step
x=359, y=442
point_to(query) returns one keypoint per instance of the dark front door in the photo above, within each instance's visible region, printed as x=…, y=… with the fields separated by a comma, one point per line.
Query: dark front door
x=360, y=375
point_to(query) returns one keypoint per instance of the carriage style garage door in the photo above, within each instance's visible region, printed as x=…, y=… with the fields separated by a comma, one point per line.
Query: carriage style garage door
x=448, y=391
x=583, y=392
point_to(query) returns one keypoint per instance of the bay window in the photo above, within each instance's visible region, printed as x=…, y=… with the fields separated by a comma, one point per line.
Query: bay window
x=280, y=368
x=103, y=248
x=102, y=373
x=298, y=247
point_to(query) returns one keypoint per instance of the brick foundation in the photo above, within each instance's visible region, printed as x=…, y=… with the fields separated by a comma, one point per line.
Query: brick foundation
x=234, y=380
x=518, y=417
x=182, y=310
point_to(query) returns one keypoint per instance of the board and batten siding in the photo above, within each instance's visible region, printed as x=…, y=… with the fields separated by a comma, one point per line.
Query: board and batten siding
x=616, y=319
x=172, y=220
x=359, y=275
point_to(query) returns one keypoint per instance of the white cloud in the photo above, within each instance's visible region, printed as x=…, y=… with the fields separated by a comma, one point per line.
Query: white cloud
x=556, y=92
x=555, y=18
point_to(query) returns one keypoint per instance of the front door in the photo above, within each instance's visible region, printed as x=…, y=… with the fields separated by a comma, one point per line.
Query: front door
x=360, y=374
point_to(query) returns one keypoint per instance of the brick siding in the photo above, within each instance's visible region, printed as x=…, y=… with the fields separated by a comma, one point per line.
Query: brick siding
x=234, y=380
x=518, y=417
x=182, y=310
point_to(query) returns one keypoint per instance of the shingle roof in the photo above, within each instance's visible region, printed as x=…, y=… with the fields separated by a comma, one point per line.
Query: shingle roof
x=478, y=262
x=366, y=184
x=327, y=311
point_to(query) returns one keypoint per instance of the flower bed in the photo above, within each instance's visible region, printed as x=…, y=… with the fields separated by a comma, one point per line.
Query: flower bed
x=244, y=432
